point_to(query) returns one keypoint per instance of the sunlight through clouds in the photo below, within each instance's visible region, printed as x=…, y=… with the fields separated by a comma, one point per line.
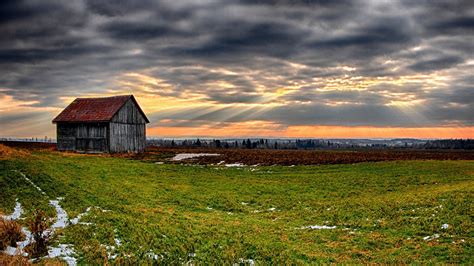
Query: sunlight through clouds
x=283, y=64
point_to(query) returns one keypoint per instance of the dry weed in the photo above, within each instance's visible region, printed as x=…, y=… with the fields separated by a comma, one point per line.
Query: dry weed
x=8, y=152
x=38, y=227
x=10, y=233
x=18, y=260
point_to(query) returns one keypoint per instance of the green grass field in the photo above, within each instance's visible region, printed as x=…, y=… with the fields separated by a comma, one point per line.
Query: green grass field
x=382, y=212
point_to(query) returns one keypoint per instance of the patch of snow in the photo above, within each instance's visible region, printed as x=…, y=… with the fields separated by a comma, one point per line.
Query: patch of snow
x=234, y=165
x=184, y=156
x=159, y=162
x=9, y=250
x=251, y=262
x=221, y=162
x=63, y=251
x=79, y=216
x=111, y=254
x=28, y=237
x=31, y=182
x=103, y=210
x=192, y=255
x=16, y=212
x=61, y=215
x=21, y=244
x=244, y=203
x=428, y=238
x=445, y=226
x=150, y=254
x=272, y=209
x=318, y=227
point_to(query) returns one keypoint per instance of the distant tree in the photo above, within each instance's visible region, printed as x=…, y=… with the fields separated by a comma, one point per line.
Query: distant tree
x=198, y=143
x=248, y=144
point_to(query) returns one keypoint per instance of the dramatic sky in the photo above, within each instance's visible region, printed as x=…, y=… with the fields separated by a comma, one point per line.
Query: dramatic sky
x=297, y=68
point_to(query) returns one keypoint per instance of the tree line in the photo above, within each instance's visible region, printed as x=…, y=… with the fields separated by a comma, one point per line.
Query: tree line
x=311, y=144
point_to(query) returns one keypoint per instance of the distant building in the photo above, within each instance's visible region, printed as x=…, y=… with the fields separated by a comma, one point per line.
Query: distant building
x=110, y=124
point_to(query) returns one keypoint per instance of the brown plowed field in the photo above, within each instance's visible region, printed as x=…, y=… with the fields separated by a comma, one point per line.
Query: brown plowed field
x=308, y=157
x=271, y=157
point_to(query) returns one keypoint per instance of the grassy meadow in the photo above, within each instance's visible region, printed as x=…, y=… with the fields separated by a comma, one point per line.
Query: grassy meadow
x=384, y=212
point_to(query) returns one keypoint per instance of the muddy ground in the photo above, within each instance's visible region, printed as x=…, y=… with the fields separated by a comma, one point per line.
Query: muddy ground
x=279, y=157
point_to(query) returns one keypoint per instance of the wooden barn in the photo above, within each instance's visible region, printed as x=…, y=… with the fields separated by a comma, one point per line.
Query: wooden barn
x=110, y=124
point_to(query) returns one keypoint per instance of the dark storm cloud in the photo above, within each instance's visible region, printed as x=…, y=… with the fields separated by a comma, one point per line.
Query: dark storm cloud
x=51, y=49
x=436, y=64
x=10, y=118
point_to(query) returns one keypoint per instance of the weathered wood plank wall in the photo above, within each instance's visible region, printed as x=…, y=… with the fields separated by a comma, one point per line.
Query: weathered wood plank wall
x=127, y=137
x=66, y=137
x=126, y=132
x=90, y=137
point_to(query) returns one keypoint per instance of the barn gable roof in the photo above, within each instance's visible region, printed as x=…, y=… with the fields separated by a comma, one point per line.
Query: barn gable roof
x=95, y=109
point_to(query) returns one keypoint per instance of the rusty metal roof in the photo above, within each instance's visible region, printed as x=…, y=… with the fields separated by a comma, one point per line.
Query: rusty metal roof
x=95, y=109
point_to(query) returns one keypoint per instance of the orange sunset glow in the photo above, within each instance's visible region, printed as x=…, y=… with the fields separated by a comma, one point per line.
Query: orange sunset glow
x=276, y=75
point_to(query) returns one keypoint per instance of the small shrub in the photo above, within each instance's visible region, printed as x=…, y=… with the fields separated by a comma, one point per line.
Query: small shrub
x=10, y=233
x=38, y=227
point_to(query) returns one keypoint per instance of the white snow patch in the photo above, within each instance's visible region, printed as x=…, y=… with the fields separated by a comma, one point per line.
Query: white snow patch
x=428, y=238
x=20, y=245
x=234, y=165
x=79, y=216
x=16, y=212
x=28, y=237
x=184, y=156
x=445, y=226
x=272, y=209
x=63, y=251
x=251, y=262
x=318, y=227
x=244, y=203
x=150, y=254
x=209, y=208
x=61, y=215
x=31, y=182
